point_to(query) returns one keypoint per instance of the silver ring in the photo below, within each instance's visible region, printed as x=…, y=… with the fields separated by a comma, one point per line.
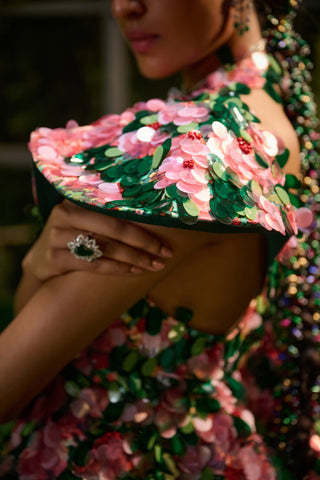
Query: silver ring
x=84, y=248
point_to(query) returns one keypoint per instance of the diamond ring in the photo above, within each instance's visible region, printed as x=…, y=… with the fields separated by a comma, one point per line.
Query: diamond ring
x=84, y=248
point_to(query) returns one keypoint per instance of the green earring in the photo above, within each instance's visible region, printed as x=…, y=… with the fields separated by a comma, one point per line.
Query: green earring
x=241, y=14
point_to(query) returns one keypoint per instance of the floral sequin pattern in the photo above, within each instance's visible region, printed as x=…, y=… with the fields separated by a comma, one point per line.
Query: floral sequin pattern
x=197, y=158
x=151, y=397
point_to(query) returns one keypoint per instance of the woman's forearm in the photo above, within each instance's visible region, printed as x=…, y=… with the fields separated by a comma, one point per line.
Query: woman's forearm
x=64, y=315
x=29, y=284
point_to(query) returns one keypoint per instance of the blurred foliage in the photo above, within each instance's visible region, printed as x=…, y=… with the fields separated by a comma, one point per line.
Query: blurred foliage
x=10, y=3
x=16, y=206
x=47, y=68
x=15, y=196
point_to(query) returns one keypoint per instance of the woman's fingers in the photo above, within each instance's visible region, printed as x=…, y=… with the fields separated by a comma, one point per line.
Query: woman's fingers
x=68, y=214
x=121, y=252
x=66, y=262
x=125, y=247
x=110, y=249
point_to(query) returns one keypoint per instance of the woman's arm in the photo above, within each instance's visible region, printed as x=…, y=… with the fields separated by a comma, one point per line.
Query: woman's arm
x=128, y=249
x=65, y=315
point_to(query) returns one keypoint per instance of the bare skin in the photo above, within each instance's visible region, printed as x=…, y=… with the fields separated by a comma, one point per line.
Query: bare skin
x=61, y=313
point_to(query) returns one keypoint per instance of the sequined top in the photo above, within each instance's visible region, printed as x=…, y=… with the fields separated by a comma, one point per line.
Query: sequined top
x=200, y=161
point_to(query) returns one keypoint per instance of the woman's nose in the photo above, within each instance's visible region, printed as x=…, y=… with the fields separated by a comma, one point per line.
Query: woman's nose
x=127, y=8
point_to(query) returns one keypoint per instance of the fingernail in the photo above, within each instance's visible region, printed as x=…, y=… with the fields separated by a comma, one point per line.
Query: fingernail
x=157, y=265
x=136, y=270
x=166, y=252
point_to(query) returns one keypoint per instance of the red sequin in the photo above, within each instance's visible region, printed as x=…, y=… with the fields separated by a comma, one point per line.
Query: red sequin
x=195, y=135
x=244, y=146
x=107, y=437
x=188, y=163
x=100, y=360
x=155, y=125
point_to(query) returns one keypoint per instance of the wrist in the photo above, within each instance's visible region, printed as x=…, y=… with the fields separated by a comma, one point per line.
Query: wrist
x=28, y=284
x=29, y=268
x=26, y=263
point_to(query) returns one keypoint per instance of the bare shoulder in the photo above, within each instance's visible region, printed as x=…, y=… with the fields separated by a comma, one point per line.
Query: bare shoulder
x=274, y=119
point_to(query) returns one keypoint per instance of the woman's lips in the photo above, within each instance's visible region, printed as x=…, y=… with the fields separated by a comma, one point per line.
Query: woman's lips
x=141, y=42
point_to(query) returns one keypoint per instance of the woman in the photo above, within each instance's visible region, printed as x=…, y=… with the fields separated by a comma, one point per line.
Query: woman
x=158, y=393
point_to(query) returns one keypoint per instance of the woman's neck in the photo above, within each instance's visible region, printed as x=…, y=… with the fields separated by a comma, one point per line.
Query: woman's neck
x=240, y=46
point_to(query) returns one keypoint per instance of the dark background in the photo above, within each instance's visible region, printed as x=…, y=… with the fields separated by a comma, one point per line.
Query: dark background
x=60, y=60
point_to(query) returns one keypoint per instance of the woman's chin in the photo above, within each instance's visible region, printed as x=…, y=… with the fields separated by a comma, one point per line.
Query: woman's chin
x=155, y=71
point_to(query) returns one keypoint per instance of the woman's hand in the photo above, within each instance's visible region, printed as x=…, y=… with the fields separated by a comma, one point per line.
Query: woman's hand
x=126, y=247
